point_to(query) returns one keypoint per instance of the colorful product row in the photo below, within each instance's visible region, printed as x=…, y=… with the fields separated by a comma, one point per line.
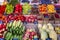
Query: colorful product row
x=12, y=30
x=28, y=9
x=29, y=18
x=19, y=32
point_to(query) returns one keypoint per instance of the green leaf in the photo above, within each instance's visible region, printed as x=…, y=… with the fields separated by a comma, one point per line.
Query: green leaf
x=8, y=36
x=14, y=2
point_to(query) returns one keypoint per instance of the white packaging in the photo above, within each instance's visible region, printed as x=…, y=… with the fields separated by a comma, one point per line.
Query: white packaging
x=1, y=2
x=52, y=33
x=42, y=31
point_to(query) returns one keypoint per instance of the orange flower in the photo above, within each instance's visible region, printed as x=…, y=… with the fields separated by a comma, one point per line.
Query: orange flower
x=2, y=17
x=51, y=8
x=43, y=8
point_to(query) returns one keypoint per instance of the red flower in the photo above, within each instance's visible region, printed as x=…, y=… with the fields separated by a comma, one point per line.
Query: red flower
x=18, y=9
x=2, y=9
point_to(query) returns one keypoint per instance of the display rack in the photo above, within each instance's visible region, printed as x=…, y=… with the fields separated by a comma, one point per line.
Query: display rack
x=27, y=20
